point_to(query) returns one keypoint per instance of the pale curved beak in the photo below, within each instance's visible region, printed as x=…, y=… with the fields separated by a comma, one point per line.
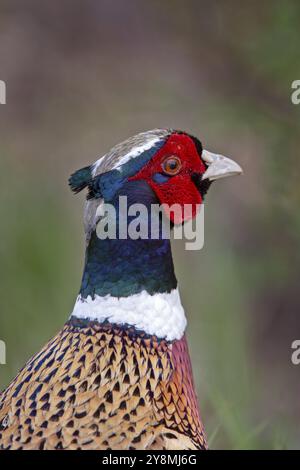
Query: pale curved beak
x=219, y=166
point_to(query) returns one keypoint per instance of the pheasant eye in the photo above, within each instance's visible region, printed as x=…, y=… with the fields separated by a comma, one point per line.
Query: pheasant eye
x=171, y=166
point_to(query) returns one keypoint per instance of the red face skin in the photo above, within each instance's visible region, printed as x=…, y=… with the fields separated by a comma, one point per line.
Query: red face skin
x=180, y=188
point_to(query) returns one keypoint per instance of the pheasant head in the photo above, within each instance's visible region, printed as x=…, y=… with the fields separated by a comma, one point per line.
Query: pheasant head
x=131, y=281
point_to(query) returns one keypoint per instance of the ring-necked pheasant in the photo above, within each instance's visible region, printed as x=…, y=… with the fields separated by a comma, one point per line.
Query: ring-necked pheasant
x=118, y=375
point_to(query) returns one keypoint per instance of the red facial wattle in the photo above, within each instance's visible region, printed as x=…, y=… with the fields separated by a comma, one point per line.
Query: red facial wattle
x=180, y=188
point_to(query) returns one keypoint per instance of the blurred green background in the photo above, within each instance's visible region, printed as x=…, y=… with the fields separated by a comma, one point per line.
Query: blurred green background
x=84, y=75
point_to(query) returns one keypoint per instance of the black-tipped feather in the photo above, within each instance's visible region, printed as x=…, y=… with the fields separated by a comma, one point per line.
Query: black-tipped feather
x=81, y=179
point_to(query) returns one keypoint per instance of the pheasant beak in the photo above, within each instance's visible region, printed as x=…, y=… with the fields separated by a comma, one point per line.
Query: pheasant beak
x=219, y=166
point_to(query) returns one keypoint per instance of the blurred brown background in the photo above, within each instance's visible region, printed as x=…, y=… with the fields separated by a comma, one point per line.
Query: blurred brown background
x=82, y=76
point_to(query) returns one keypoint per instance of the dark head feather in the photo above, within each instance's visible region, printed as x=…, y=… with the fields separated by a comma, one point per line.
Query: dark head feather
x=81, y=179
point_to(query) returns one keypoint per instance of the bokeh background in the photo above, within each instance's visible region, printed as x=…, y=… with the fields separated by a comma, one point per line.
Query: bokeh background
x=84, y=75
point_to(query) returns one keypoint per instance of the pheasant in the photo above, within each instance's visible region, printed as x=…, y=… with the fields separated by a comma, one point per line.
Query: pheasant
x=118, y=375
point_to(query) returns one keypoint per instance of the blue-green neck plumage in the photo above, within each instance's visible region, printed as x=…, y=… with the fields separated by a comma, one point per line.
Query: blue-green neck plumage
x=125, y=267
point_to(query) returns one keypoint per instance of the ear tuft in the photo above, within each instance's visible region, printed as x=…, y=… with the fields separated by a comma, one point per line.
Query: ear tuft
x=81, y=179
